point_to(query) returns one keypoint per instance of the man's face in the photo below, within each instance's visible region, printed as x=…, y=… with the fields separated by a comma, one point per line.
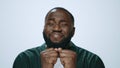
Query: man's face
x=58, y=28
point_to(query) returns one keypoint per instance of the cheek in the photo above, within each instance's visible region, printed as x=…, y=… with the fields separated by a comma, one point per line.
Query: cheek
x=66, y=31
x=47, y=31
x=48, y=28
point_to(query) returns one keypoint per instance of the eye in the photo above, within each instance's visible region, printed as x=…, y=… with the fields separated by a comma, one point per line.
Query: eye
x=64, y=24
x=50, y=24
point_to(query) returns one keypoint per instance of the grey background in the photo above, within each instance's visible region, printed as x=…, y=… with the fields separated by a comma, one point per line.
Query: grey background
x=97, y=25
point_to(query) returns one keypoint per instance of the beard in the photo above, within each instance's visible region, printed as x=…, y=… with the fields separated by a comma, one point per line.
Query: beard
x=64, y=43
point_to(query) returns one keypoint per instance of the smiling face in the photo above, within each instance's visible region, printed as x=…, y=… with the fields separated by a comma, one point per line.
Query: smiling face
x=58, y=28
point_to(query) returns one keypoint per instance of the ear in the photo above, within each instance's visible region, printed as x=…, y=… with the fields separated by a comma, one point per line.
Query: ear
x=73, y=31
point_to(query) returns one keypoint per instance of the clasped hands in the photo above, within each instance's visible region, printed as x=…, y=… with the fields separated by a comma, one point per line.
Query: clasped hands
x=49, y=57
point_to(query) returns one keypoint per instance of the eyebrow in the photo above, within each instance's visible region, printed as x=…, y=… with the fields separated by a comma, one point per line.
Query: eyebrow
x=51, y=19
x=63, y=21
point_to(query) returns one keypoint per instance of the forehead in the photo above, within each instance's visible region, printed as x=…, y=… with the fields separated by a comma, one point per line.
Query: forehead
x=58, y=13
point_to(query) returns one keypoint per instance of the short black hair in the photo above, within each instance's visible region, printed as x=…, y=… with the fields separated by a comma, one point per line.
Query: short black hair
x=61, y=8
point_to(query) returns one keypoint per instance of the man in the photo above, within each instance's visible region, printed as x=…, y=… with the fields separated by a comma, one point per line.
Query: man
x=58, y=31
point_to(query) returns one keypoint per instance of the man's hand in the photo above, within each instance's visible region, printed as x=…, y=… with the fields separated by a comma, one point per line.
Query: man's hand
x=48, y=58
x=68, y=58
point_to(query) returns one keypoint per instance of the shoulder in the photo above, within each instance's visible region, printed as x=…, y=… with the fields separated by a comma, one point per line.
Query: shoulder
x=81, y=51
x=88, y=58
x=88, y=55
x=33, y=51
x=28, y=57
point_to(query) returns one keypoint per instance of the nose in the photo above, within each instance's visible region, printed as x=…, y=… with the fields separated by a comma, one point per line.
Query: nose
x=57, y=28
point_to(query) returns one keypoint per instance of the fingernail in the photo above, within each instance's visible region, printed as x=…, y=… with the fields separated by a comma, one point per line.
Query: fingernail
x=56, y=49
x=59, y=48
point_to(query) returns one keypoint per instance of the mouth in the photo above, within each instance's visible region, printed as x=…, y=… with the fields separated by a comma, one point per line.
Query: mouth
x=56, y=37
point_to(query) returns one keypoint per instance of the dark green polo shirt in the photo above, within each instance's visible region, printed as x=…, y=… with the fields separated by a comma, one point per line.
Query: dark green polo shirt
x=31, y=58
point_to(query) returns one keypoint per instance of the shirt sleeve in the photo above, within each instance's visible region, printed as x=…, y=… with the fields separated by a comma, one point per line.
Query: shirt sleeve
x=99, y=63
x=21, y=61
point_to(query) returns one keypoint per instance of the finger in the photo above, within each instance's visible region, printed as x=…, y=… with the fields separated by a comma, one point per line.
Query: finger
x=49, y=49
x=62, y=55
x=62, y=61
x=65, y=50
x=59, y=49
x=56, y=49
x=48, y=54
x=68, y=52
x=51, y=53
x=52, y=60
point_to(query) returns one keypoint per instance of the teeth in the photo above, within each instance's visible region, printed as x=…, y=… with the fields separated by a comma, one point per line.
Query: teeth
x=56, y=35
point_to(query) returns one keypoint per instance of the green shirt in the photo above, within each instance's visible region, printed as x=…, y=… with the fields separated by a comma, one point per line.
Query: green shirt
x=31, y=58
